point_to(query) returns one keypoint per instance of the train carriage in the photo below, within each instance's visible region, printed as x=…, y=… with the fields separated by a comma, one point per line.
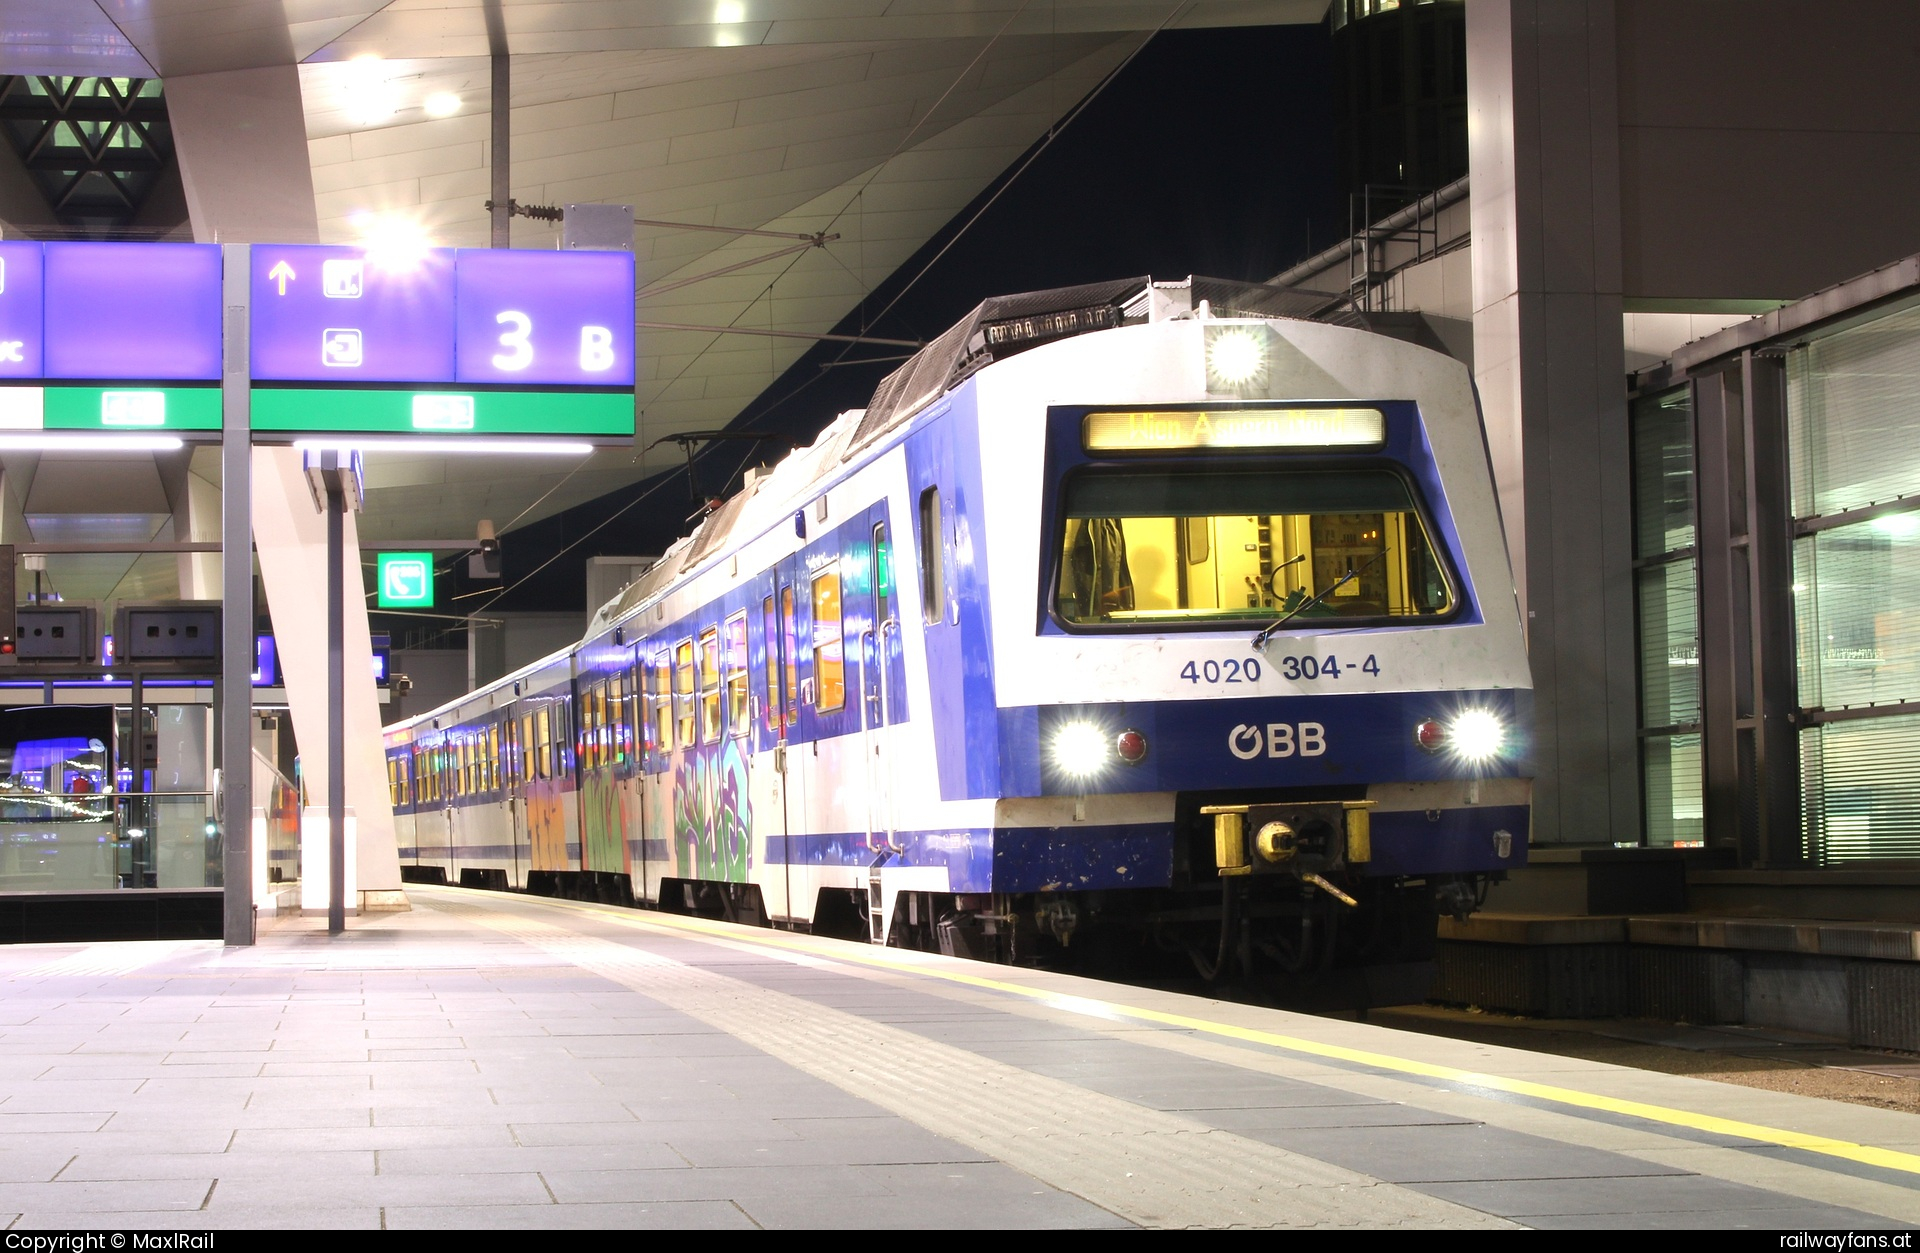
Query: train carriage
x=1118, y=619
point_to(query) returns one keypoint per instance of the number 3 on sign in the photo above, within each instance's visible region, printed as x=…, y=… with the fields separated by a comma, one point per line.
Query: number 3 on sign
x=517, y=341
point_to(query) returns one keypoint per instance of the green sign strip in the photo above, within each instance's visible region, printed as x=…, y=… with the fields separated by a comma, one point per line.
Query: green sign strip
x=331, y=411
x=131, y=409
x=404, y=580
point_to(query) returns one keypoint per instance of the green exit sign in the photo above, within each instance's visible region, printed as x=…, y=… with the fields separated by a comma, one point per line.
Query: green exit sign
x=406, y=580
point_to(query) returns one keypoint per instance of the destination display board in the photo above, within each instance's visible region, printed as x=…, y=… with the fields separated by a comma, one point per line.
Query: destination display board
x=109, y=337
x=442, y=342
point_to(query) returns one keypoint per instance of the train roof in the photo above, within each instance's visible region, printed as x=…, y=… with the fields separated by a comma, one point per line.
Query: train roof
x=996, y=329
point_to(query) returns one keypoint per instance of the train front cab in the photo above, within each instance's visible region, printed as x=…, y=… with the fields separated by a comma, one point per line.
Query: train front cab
x=1263, y=683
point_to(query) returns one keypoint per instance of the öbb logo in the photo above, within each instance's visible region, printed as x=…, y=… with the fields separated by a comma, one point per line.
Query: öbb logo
x=1277, y=739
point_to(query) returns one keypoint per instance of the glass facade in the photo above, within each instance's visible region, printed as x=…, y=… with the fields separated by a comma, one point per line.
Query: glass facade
x=1667, y=597
x=1853, y=401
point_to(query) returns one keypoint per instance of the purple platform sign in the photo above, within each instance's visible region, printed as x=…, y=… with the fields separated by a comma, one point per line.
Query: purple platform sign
x=545, y=318
x=132, y=311
x=21, y=337
x=346, y=316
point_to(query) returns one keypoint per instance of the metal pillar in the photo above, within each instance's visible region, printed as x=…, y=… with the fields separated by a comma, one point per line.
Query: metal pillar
x=500, y=104
x=234, y=803
x=336, y=716
x=1749, y=688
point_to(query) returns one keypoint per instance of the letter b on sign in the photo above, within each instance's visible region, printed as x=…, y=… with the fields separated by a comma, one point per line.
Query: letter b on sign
x=596, y=348
x=1280, y=739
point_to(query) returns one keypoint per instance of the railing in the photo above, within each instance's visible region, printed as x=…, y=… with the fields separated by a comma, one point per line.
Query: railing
x=90, y=841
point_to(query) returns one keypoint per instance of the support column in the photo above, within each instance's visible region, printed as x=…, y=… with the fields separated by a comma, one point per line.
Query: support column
x=240, y=137
x=500, y=104
x=235, y=713
x=1543, y=146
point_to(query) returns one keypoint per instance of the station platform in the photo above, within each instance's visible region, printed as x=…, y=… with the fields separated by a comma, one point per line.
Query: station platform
x=492, y=1061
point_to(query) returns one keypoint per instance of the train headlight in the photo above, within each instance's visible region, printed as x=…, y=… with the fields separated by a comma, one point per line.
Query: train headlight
x=1473, y=735
x=1081, y=749
x=1478, y=734
x=1235, y=356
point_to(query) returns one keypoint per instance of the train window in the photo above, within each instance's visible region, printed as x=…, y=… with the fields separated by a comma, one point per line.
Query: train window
x=542, y=744
x=683, y=692
x=736, y=662
x=790, y=651
x=663, y=703
x=620, y=738
x=770, y=694
x=709, y=685
x=523, y=763
x=493, y=758
x=829, y=654
x=393, y=782
x=882, y=574
x=933, y=593
x=1201, y=545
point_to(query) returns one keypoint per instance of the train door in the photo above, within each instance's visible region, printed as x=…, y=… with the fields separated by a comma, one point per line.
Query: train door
x=769, y=712
x=435, y=819
x=633, y=730
x=811, y=818
x=879, y=644
x=516, y=734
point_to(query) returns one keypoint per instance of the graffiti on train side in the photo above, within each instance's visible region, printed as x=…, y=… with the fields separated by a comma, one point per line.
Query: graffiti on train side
x=547, y=825
x=713, y=814
x=605, y=806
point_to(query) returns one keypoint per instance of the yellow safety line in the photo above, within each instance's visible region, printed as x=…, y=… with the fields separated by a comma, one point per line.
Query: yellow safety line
x=1889, y=1159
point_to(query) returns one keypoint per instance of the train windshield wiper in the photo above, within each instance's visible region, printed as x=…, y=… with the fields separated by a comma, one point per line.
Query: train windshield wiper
x=1265, y=633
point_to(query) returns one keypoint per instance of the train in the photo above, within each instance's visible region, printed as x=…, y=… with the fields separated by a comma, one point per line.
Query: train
x=1128, y=622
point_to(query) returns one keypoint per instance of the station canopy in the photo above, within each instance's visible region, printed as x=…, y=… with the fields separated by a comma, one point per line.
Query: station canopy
x=873, y=120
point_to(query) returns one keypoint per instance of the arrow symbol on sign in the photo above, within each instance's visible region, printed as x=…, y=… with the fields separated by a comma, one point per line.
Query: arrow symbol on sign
x=282, y=272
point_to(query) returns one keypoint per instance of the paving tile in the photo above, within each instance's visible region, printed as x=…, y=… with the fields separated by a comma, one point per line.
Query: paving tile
x=717, y=1184
x=657, y=1216
x=1428, y=1154
x=1528, y=1200
x=630, y=1155
x=100, y=1197
x=108, y=1166
x=902, y=1145
x=1803, y=1218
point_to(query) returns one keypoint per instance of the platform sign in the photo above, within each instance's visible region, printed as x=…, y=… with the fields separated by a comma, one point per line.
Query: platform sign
x=442, y=342
x=149, y=312
x=404, y=580
x=109, y=337
x=22, y=311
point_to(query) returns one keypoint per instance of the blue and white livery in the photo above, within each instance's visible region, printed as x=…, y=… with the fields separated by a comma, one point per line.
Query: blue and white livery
x=1118, y=621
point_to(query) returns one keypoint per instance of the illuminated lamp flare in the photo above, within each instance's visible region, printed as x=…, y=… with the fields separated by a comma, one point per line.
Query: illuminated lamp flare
x=1235, y=357
x=1477, y=735
x=1080, y=749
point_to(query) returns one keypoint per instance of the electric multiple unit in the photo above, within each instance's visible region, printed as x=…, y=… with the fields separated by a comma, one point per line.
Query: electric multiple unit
x=1117, y=623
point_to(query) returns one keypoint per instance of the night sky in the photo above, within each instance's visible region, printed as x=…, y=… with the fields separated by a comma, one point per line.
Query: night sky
x=1212, y=153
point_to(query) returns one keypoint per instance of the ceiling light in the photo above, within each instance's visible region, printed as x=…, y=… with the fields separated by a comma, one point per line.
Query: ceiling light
x=475, y=445
x=89, y=442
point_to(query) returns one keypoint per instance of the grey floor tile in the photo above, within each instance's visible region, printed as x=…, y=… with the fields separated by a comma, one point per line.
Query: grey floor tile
x=629, y=1155
x=1804, y=1218
x=1527, y=1200
x=717, y=1184
x=87, y=1166
x=657, y=1216
x=107, y=1196
x=1449, y=1153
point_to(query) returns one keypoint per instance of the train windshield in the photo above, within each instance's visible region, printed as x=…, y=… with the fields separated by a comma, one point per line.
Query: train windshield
x=1195, y=546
